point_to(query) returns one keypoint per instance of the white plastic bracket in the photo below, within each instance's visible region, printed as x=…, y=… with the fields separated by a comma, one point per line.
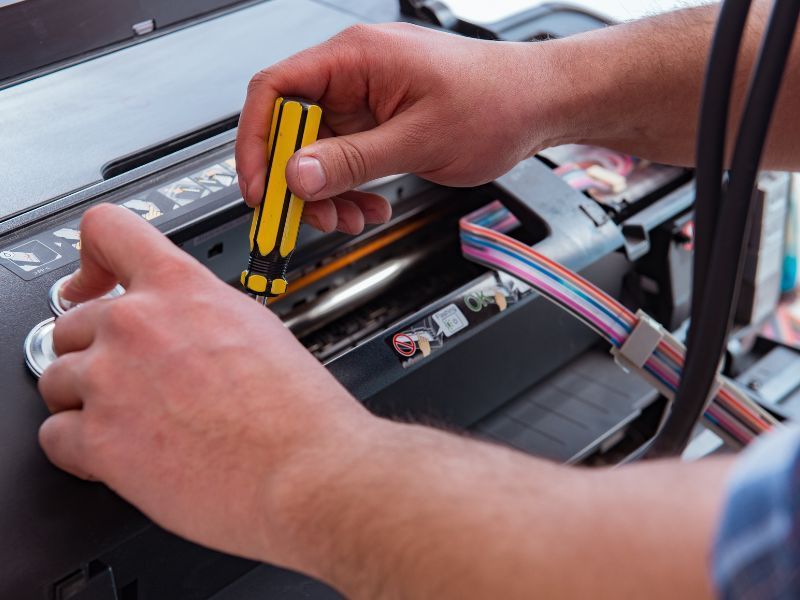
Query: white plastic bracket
x=642, y=342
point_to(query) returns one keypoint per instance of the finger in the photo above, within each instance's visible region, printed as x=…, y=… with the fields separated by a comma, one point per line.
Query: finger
x=321, y=215
x=61, y=438
x=351, y=219
x=375, y=208
x=324, y=130
x=335, y=165
x=116, y=247
x=58, y=385
x=75, y=329
x=306, y=74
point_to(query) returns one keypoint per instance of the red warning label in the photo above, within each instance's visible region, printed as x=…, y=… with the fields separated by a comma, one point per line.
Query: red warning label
x=403, y=344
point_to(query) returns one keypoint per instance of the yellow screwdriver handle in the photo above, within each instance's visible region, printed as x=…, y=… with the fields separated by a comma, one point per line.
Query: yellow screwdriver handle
x=273, y=232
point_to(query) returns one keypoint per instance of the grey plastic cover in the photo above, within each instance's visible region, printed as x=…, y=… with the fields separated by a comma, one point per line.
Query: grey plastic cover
x=57, y=131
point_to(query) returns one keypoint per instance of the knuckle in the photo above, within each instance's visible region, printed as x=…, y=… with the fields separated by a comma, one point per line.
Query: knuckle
x=124, y=314
x=53, y=375
x=402, y=28
x=351, y=162
x=103, y=382
x=50, y=437
x=359, y=32
x=95, y=368
x=260, y=79
x=95, y=435
x=174, y=271
x=48, y=382
x=46, y=436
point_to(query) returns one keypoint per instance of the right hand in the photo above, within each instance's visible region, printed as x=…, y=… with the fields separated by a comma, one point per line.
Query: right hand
x=398, y=98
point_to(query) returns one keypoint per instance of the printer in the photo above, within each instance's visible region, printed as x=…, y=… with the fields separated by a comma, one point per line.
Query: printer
x=136, y=103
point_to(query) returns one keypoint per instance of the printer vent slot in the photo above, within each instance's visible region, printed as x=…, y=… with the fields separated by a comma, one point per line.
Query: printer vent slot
x=147, y=155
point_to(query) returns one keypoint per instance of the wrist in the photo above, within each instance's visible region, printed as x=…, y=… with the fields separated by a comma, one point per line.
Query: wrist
x=304, y=496
x=578, y=91
x=577, y=97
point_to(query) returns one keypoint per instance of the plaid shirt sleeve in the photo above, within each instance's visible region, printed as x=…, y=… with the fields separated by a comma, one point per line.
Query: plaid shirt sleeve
x=757, y=550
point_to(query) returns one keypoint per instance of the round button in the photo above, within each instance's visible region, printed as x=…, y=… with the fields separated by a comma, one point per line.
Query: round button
x=59, y=306
x=39, y=352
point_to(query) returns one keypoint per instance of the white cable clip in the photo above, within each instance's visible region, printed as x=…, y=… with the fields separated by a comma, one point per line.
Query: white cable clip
x=637, y=349
x=642, y=342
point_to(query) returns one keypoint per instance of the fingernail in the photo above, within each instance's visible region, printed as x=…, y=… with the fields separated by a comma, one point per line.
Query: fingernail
x=348, y=228
x=311, y=174
x=313, y=220
x=373, y=216
x=251, y=200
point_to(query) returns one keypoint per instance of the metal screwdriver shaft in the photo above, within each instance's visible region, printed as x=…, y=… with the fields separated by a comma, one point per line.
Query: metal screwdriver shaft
x=273, y=232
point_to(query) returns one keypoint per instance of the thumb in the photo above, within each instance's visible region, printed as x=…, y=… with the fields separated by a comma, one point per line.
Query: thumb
x=335, y=165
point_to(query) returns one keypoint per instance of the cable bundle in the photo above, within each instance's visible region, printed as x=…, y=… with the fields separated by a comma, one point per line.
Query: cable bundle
x=721, y=235
x=732, y=414
x=598, y=170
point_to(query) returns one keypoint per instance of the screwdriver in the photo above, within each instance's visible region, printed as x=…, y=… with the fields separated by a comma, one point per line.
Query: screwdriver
x=273, y=232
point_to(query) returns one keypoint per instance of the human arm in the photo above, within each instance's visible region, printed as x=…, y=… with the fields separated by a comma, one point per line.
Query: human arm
x=427, y=514
x=223, y=429
x=461, y=112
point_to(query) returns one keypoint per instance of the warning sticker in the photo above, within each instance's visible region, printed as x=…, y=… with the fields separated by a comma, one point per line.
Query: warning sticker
x=30, y=255
x=50, y=249
x=479, y=303
x=404, y=344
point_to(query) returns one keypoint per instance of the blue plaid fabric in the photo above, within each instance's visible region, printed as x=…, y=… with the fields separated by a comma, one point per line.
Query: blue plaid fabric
x=757, y=550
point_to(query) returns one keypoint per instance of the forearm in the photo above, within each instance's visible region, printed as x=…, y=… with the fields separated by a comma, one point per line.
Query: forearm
x=636, y=87
x=423, y=514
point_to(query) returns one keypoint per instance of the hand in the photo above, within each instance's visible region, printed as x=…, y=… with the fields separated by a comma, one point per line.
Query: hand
x=398, y=99
x=186, y=397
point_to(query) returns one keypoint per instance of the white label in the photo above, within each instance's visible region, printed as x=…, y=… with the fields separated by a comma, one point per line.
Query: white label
x=450, y=319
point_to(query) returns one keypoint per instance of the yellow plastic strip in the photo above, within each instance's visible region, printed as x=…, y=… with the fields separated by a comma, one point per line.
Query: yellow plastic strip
x=285, y=139
x=292, y=226
x=273, y=125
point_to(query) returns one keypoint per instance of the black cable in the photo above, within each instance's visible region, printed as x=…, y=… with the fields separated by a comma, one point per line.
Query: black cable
x=712, y=323
x=710, y=159
x=711, y=136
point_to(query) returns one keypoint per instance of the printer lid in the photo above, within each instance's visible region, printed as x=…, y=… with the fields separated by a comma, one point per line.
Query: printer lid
x=60, y=129
x=35, y=34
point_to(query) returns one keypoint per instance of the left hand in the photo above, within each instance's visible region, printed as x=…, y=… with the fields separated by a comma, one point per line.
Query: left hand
x=186, y=397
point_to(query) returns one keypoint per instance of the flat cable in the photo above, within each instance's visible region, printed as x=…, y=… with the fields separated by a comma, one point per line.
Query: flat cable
x=659, y=359
x=712, y=321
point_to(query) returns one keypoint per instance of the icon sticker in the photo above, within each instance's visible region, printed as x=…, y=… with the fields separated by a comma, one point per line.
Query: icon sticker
x=427, y=336
x=215, y=178
x=68, y=233
x=404, y=345
x=43, y=252
x=20, y=257
x=184, y=191
x=144, y=208
x=450, y=319
x=71, y=234
x=30, y=255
